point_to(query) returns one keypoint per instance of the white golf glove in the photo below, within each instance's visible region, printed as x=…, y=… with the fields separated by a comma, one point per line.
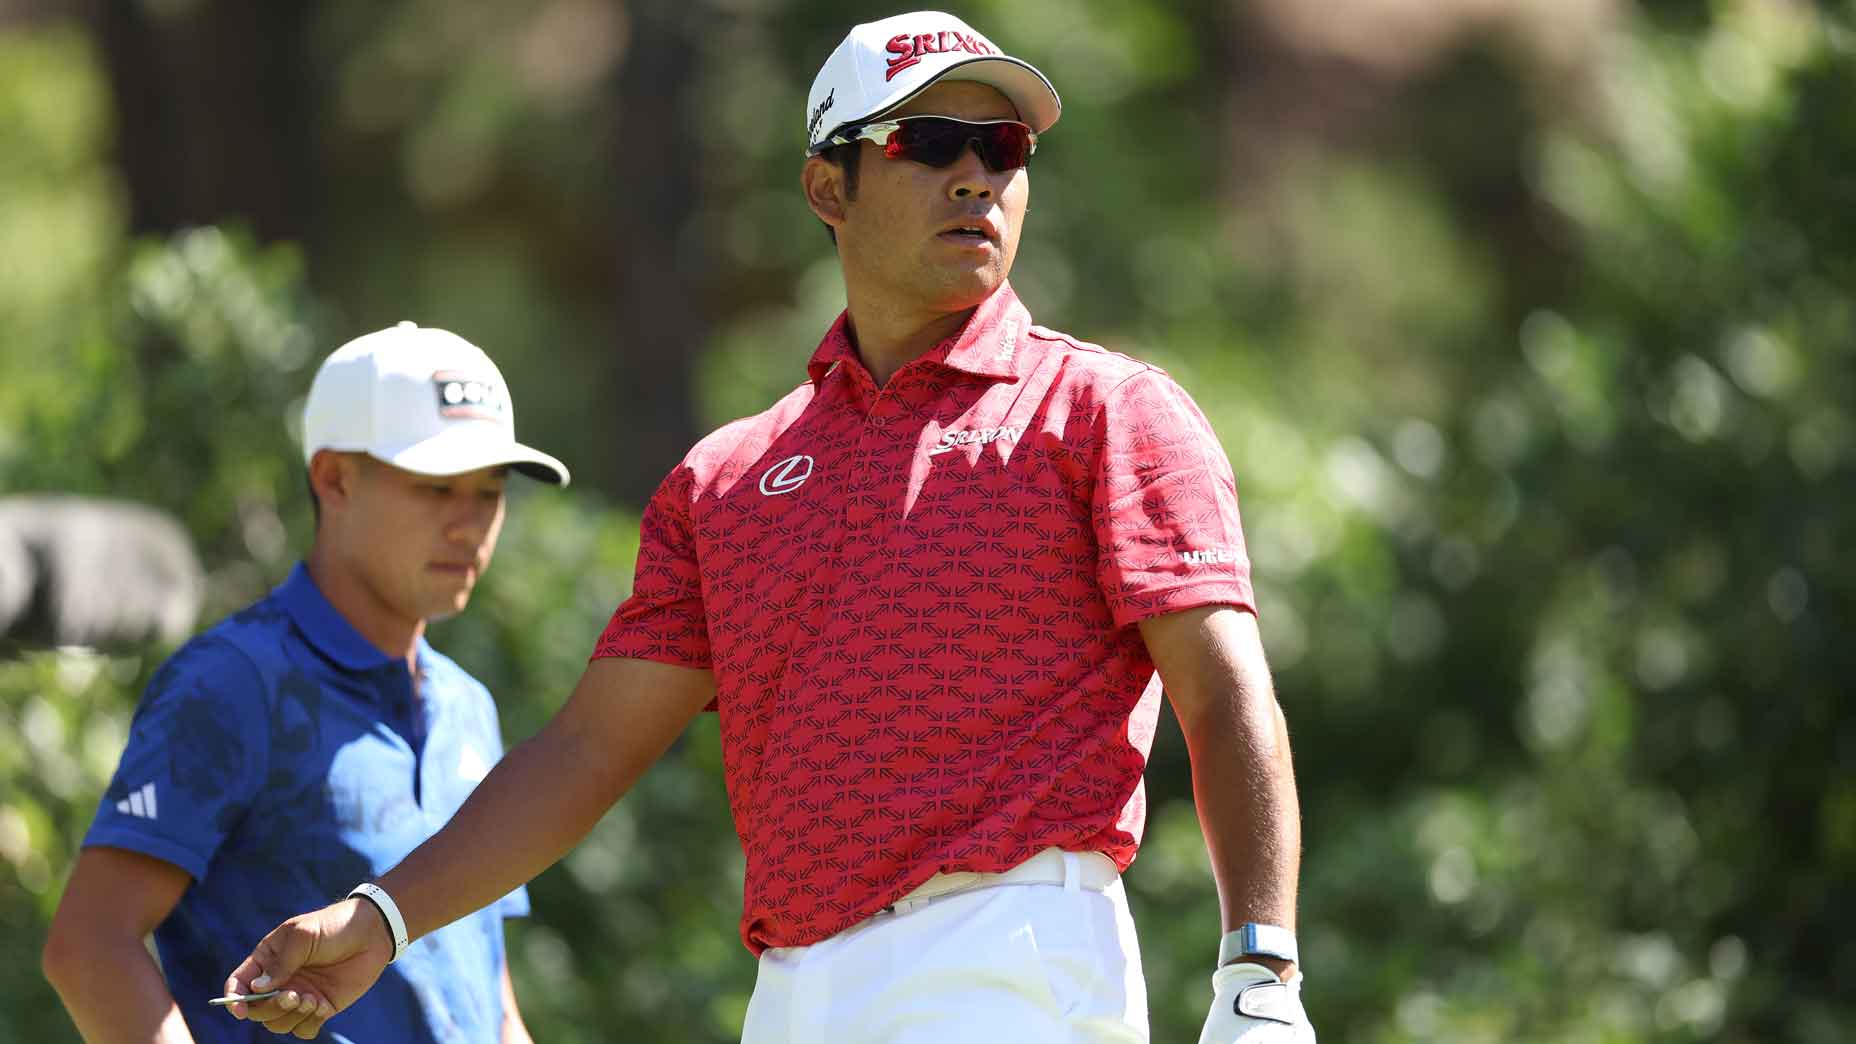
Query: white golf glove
x=1250, y=1005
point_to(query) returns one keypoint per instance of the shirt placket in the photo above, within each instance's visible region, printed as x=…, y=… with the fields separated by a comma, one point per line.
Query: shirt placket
x=426, y=708
x=397, y=693
x=863, y=509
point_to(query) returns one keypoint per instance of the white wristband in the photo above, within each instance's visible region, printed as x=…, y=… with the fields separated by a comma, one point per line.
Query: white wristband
x=396, y=925
x=1261, y=940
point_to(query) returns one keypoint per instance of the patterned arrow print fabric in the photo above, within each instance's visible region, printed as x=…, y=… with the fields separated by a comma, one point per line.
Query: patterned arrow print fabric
x=917, y=604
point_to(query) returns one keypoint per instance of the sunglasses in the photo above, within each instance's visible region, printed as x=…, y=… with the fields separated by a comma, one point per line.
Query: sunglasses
x=940, y=140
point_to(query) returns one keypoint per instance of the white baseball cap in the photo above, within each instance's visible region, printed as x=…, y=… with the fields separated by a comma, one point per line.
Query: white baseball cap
x=881, y=65
x=421, y=399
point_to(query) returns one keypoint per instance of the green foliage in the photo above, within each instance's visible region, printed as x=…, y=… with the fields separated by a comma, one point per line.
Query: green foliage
x=1539, y=398
x=1566, y=644
x=166, y=372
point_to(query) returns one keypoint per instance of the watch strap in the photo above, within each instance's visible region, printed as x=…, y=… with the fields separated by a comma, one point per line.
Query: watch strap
x=1260, y=940
x=396, y=924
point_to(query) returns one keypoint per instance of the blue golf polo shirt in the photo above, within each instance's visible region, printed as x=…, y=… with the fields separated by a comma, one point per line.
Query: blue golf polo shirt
x=281, y=759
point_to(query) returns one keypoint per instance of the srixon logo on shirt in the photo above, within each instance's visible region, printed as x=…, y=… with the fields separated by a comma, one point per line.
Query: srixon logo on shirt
x=908, y=48
x=967, y=437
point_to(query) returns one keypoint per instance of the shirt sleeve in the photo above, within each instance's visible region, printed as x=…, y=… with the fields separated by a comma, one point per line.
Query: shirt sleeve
x=663, y=620
x=193, y=761
x=1168, y=536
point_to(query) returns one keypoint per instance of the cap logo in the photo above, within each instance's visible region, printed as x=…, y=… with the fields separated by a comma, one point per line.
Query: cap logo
x=818, y=114
x=465, y=397
x=908, y=48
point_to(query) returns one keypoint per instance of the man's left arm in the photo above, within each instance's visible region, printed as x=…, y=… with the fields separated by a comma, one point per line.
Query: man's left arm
x=514, y=1030
x=1243, y=782
x=1171, y=558
x=1211, y=661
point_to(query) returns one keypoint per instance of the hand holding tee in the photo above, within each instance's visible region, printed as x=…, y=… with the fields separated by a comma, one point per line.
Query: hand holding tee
x=322, y=961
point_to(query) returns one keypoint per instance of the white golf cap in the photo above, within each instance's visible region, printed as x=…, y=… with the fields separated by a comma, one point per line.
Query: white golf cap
x=421, y=399
x=881, y=65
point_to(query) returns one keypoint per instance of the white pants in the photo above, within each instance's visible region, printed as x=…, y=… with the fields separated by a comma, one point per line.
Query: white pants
x=999, y=964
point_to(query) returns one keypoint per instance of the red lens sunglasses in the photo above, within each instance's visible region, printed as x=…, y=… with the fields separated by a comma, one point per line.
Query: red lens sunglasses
x=937, y=141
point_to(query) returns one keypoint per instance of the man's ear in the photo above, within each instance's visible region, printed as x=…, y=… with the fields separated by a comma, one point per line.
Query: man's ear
x=332, y=475
x=823, y=182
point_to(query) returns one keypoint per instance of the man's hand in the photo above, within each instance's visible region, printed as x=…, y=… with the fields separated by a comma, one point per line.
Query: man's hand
x=322, y=961
x=1250, y=1005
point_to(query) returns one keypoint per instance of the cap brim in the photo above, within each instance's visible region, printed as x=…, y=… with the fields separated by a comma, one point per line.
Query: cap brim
x=1027, y=89
x=457, y=451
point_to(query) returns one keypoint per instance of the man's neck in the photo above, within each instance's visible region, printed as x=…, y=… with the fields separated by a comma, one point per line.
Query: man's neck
x=889, y=339
x=349, y=594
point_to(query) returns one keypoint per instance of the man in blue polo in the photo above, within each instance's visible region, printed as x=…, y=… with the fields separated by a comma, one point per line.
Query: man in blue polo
x=311, y=741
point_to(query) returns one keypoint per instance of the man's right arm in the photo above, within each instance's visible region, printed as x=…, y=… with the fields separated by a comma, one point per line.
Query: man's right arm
x=543, y=797
x=94, y=956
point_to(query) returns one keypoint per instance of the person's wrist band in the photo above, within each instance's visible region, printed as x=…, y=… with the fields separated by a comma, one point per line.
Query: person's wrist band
x=1257, y=940
x=396, y=925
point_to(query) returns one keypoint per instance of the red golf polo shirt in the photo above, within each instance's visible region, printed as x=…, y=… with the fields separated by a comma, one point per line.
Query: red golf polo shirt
x=917, y=601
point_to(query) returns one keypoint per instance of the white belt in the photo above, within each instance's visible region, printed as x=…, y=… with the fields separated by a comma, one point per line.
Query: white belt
x=1073, y=870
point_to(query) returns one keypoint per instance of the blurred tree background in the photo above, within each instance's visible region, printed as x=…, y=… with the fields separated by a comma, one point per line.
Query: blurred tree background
x=1526, y=323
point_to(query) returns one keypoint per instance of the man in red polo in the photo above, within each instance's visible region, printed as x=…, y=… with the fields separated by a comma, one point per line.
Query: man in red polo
x=927, y=593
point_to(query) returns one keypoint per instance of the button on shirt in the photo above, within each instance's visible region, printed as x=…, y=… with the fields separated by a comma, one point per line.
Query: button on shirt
x=281, y=759
x=917, y=601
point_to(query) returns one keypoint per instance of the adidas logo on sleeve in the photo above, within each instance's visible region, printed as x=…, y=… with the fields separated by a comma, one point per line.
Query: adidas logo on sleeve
x=140, y=803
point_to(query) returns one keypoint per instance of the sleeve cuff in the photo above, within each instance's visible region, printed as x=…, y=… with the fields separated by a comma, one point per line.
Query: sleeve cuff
x=160, y=848
x=655, y=654
x=1147, y=604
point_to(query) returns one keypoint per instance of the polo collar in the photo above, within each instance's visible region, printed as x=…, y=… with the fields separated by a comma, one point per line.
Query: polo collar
x=989, y=344
x=325, y=627
x=834, y=349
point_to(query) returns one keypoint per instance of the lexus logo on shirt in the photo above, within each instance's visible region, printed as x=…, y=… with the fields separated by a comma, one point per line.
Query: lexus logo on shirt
x=786, y=476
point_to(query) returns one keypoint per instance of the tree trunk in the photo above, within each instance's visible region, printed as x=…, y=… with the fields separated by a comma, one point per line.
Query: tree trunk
x=659, y=318
x=213, y=113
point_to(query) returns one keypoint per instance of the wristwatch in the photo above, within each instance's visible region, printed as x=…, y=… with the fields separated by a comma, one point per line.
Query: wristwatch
x=1257, y=940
